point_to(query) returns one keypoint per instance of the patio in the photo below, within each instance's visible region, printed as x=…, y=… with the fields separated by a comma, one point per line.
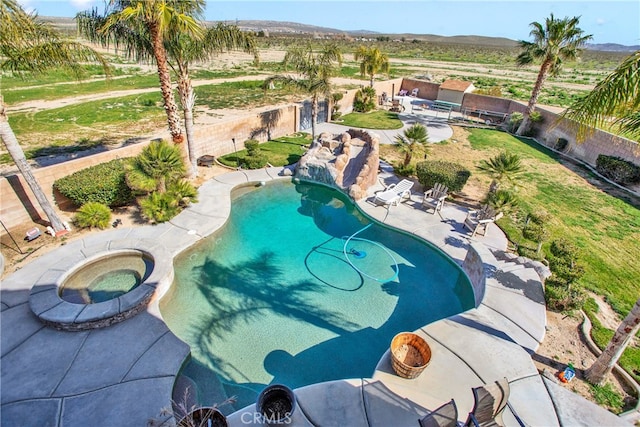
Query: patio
x=123, y=374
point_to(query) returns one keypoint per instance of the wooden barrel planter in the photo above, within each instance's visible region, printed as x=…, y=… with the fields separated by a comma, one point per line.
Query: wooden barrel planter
x=410, y=354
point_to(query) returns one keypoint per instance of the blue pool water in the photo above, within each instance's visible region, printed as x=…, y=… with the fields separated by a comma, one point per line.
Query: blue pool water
x=271, y=297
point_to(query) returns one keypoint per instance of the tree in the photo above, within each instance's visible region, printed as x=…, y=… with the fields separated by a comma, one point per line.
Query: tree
x=29, y=46
x=316, y=70
x=556, y=41
x=502, y=166
x=615, y=100
x=184, y=49
x=412, y=139
x=142, y=26
x=155, y=167
x=597, y=373
x=372, y=62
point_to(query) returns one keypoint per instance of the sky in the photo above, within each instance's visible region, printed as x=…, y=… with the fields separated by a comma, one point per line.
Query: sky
x=616, y=21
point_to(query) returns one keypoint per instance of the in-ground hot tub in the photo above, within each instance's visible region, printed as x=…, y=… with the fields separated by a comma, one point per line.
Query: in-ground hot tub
x=107, y=277
x=102, y=285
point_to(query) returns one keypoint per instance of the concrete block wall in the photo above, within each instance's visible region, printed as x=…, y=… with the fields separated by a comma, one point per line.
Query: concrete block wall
x=18, y=205
x=426, y=90
x=18, y=202
x=216, y=139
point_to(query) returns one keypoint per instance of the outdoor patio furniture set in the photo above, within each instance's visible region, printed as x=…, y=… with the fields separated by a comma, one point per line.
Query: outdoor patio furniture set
x=433, y=199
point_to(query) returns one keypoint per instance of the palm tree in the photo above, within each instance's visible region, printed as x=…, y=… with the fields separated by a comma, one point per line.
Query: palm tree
x=556, y=41
x=412, y=139
x=155, y=167
x=615, y=100
x=503, y=166
x=183, y=50
x=29, y=46
x=627, y=329
x=372, y=61
x=142, y=26
x=316, y=69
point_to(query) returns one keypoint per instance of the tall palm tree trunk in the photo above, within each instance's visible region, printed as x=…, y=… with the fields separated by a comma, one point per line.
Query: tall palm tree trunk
x=15, y=151
x=537, y=88
x=314, y=116
x=188, y=101
x=628, y=328
x=170, y=106
x=371, y=80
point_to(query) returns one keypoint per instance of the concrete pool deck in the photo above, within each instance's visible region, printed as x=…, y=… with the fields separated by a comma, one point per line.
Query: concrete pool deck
x=122, y=375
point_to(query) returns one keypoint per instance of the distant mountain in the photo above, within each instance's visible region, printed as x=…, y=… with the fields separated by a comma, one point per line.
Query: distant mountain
x=613, y=47
x=283, y=27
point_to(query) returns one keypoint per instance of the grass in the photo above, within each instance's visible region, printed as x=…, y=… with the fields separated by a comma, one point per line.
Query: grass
x=606, y=396
x=378, y=119
x=603, y=226
x=279, y=152
x=50, y=92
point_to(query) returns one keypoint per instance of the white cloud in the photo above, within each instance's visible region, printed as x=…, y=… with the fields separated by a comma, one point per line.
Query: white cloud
x=600, y=21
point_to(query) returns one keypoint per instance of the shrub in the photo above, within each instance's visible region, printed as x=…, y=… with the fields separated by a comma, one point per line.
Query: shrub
x=160, y=207
x=452, y=175
x=254, y=158
x=93, y=214
x=502, y=200
x=104, y=183
x=364, y=100
x=562, y=291
x=514, y=121
x=400, y=169
x=617, y=169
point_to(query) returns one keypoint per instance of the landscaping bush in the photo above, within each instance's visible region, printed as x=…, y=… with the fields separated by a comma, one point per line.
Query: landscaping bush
x=93, y=214
x=364, y=100
x=562, y=290
x=160, y=207
x=618, y=170
x=104, y=183
x=254, y=158
x=502, y=200
x=452, y=175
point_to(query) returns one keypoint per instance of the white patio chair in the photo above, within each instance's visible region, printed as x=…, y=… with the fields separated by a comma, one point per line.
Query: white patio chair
x=434, y=197
x=394, y=193
x=478, y=220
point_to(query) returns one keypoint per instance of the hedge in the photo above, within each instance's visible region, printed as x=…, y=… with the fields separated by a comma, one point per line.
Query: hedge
x=453, y=175
x=617, y=169
x=104, y=183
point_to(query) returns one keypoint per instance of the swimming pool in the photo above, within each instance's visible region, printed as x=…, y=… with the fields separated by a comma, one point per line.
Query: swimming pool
x=271, y=297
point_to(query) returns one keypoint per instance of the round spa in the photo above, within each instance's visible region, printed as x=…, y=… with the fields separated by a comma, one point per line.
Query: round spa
x=101, y=285
x=107, y=277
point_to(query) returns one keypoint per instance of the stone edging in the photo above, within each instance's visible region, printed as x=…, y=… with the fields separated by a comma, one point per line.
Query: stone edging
x=52, y=310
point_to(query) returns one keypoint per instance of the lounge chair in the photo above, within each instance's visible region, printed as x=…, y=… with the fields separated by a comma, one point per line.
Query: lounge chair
x=434, y=197
x=394, y=193
x=489, y=403
x=444, y=416
x=478, y=220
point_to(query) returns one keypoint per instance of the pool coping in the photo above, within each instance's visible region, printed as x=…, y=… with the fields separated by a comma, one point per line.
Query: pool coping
x=143, y=356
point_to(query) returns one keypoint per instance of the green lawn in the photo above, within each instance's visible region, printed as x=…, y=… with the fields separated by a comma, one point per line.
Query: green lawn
x=279, y=152
x=377, y=119
x=605, y=228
